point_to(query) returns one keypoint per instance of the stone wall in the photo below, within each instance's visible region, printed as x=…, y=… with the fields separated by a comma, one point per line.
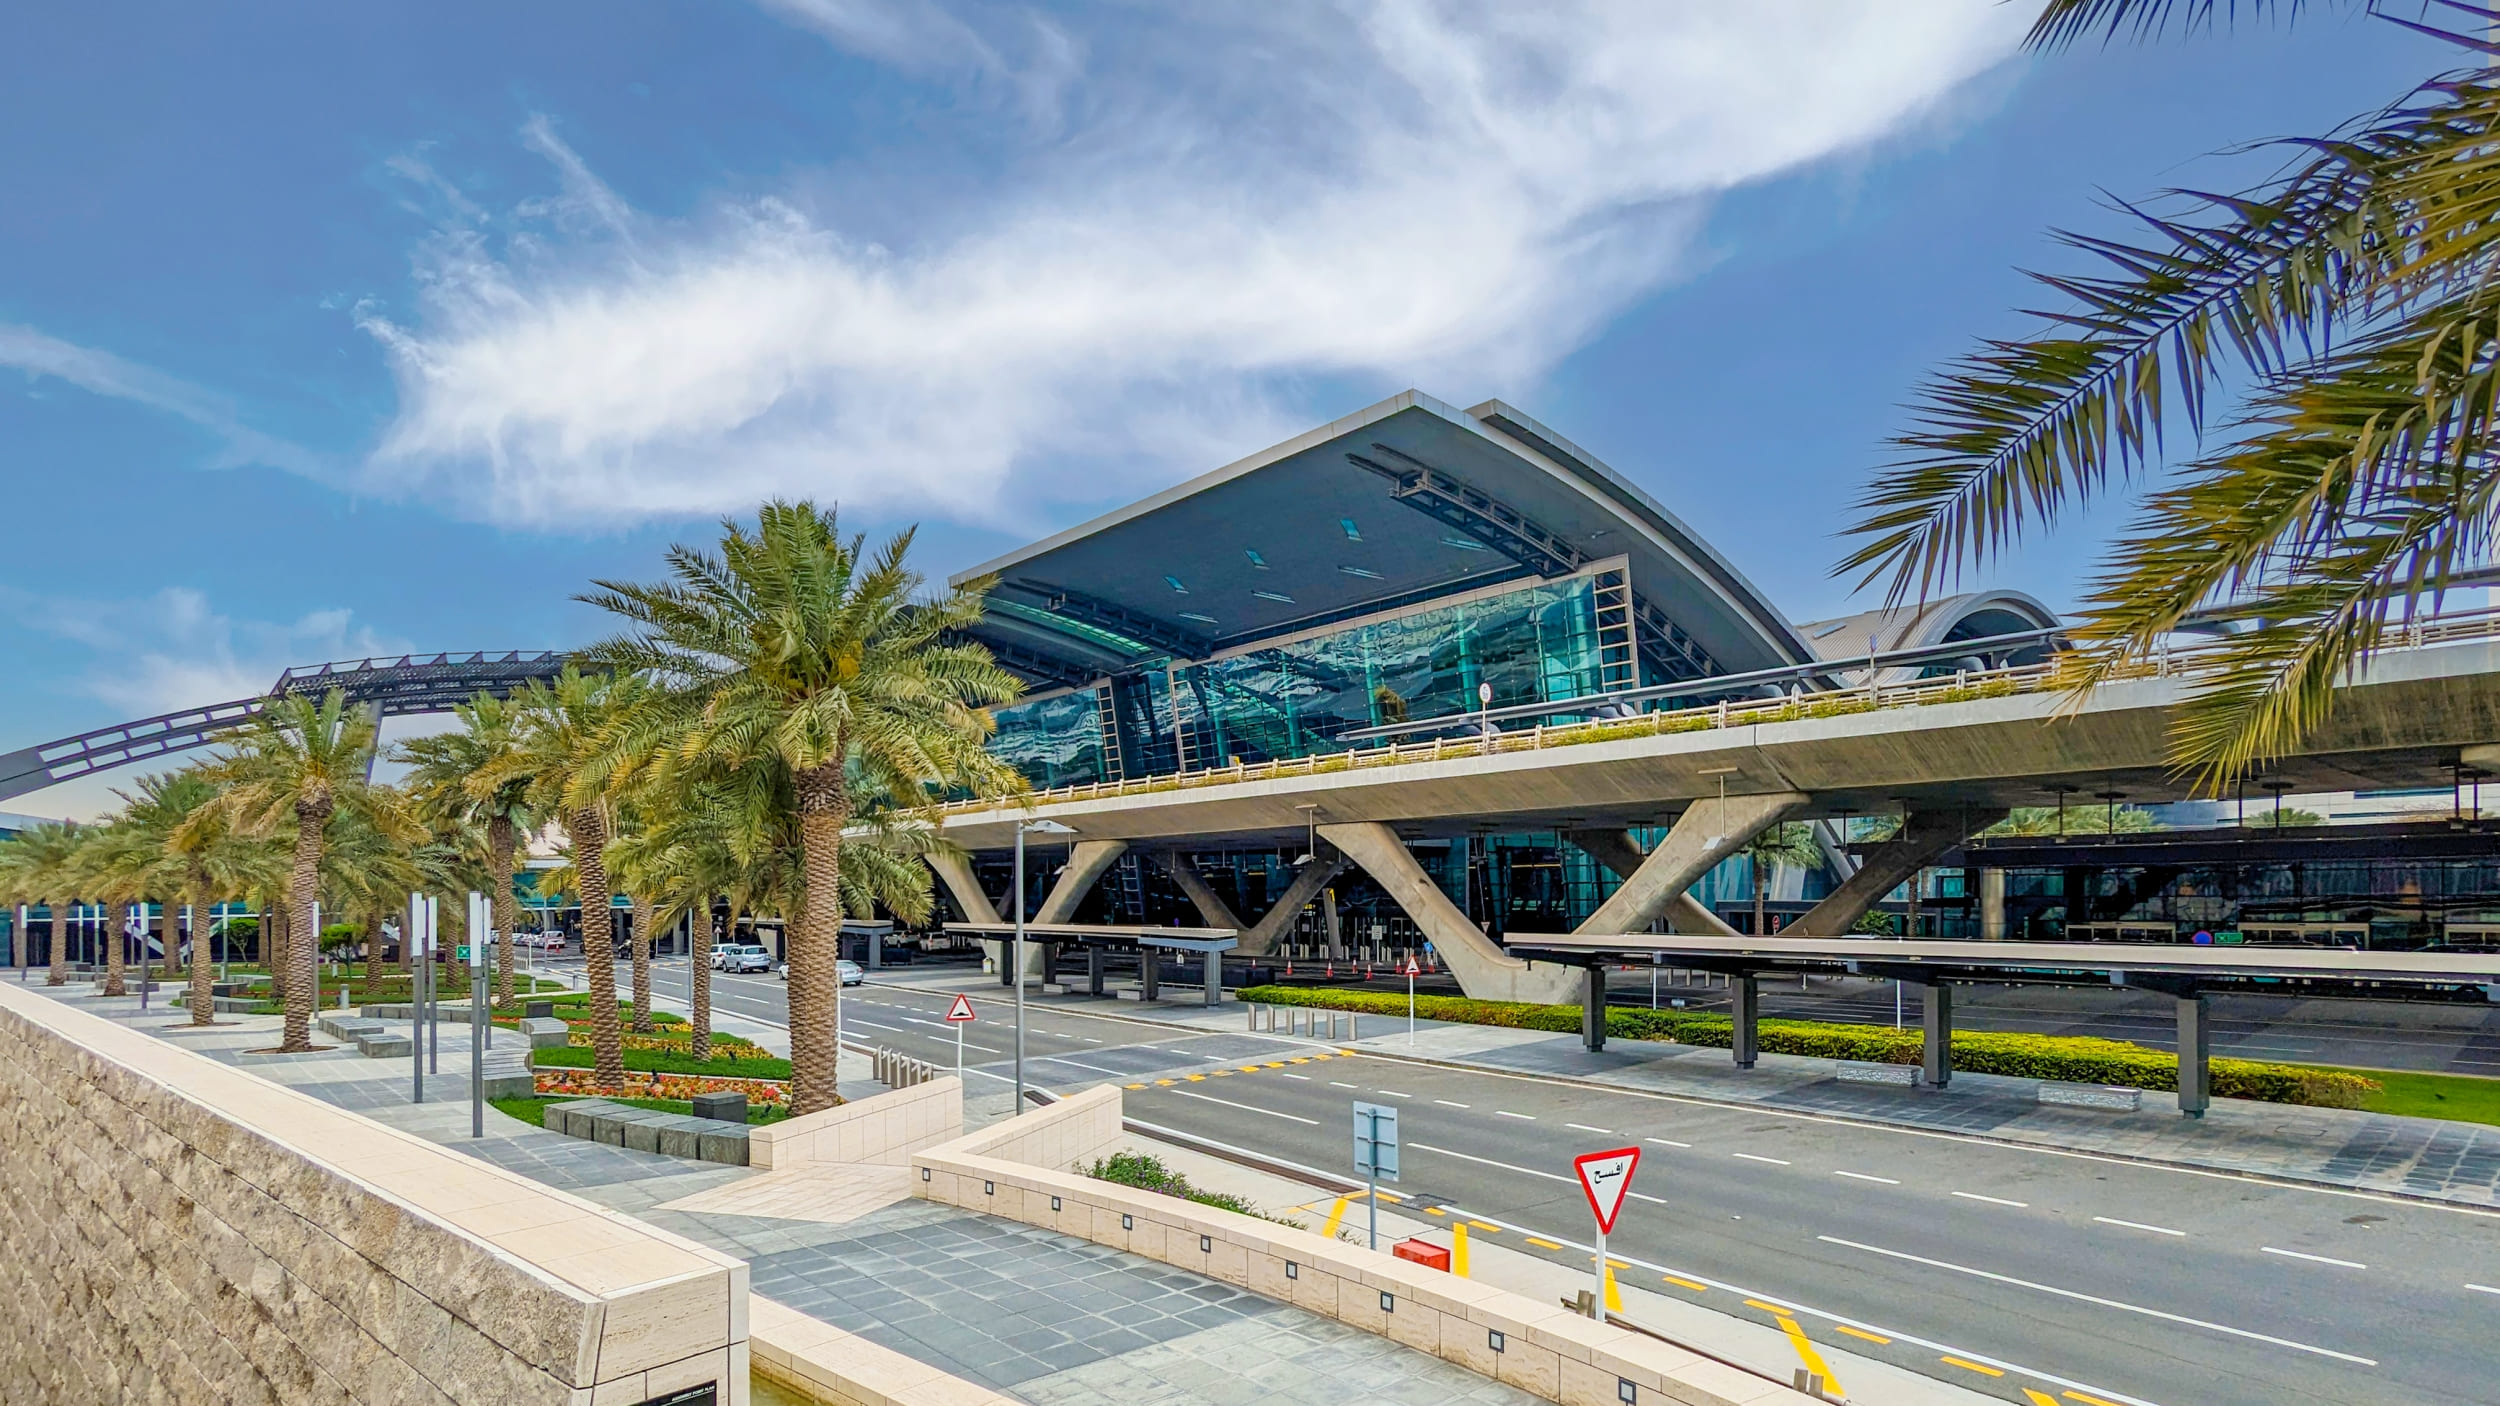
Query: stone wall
x=1067, y=1134
x=881, y=1131
x=176, y=1230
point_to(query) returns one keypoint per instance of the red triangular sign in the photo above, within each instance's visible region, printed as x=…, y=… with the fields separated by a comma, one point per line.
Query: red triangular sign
x=1605, y=1176
x=961, y=1010
x=1412, y=969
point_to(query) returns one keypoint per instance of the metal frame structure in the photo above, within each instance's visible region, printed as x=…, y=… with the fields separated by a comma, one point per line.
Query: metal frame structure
x=410, y=683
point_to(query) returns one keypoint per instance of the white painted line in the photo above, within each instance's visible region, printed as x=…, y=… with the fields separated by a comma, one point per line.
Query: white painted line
x=2139, y=1225
x=1335, y=1085
x=2483, y=1289
x=1861, y=1176
x=2313, y=1259
x=1774, y=1161
x=1666, y=1142
x=1583, y=1127
x=1487, y=1161
x=1305, y=1078
x=1644, y=1196
x=1080, y=1064
x=1245, y=1107
x=2101, y=1302
x=1993, y=1200
x=1445, y=1103
x=1392, y=1093
x=1506, y=1113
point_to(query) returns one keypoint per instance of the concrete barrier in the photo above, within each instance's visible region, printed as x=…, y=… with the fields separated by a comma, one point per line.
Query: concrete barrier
x=227, y=1239
x=1860, y=1071
x=880, y=1131
x=2108, y=1096
x=1019, y=1170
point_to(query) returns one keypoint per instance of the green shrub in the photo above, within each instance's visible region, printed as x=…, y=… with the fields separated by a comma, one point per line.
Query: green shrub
x=665, y=1062
x=1147, y=1173
x=2069, y=1058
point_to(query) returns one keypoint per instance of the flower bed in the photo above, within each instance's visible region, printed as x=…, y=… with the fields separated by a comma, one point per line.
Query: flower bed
x=723, y=1046
x=581, y=1083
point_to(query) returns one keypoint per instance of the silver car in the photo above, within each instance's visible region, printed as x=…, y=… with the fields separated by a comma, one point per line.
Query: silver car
x=844, y=968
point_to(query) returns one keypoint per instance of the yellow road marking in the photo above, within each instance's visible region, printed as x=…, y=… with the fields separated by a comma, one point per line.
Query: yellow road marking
x=1434, y=1211
x=1805, y=1353
x=2039, y=1398
x=1543, y=1244
x=1686, y=1284
x=1971, y=1366
x=1220, y=1074
x=2090, y=1400
x=1300, y=1059
x=1163, y=1083
x=1336, y=1213
x=1136, y=1086
x=1861, y=1333
x=1487, y=1229
x=1276, y=1064
x=1197, y=1078
x=1458, y=1249
x=1614, y=1299
x=1768, y=1307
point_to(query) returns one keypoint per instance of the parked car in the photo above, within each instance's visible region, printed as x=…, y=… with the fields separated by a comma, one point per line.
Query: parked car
x=543, y=941
x=843, y=967
x=742, y=957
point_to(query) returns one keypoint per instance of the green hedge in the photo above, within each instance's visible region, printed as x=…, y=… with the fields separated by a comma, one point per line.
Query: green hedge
x=665, y=1062
x=2072, y=1058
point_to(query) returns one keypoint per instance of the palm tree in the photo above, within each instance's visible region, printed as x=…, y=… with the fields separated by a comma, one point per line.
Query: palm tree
x=304, y=761
x=2348, y=305
x=37, y=863
x=1790, y=844
x=154, y=815
x=444, y=771
x=563, y=728
x=112, y=862
x=793, y=649
x=217, y=863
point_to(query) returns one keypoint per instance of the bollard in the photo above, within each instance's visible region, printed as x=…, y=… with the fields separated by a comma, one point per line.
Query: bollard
x=1250, y=1017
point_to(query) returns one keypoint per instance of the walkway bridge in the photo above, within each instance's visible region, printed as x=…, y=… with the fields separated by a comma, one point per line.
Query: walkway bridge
x=410, y=683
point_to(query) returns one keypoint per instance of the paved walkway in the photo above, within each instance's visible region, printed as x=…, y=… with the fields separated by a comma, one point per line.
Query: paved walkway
x=2341, y=1147
x=1041, y=1316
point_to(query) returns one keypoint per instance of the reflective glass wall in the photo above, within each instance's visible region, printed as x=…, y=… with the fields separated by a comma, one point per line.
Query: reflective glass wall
x=1054, y=741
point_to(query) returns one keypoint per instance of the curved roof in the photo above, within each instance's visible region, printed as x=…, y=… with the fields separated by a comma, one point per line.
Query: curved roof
x=1406, y=501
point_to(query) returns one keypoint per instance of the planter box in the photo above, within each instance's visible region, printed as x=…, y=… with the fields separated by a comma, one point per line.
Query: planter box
x=2123, y=1100
x=1857, y=1071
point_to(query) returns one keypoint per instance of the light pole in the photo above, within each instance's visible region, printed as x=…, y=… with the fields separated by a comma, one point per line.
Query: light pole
x=1038, y=827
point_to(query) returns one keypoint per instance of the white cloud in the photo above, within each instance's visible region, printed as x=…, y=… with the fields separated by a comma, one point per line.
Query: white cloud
x=175, y=650
x=102, y=373
x=1448, y=195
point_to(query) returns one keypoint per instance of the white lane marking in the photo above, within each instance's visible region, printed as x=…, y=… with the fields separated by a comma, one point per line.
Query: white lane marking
x=1583, y=1127
x=1392, y=1093
x=1335, y=1085
x=1080, y=1064
x=1993, y=1200
x=2313, y=1259
x=2483, y=1289
x=1666, y=1142
x=1506, y=1113
x=1305, y=1078
x=2081, y=1297
x=1245, y=1107
x=1445, y=1103
x=855, y=1020
x=1487, y=1161
x=2139, y=1225
x=1644, y=1196
x=1774, y=1161
x=1861, y=1176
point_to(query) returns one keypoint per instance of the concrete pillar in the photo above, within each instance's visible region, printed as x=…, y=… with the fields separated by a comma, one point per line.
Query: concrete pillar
x=1483, y=969
x=1615, y=849
x=1747, y=1008
x=1593, y=1010
x=1992, y=905
x=1212, y=909
x=1095, y=962
x=2195, y=1056
x=1938, y=1058
x=1709, y=830
x=1215, y=978
x=1050, y=961
x=1150, y=973
x=1088, y=860
x=1261, y=937
x=1924, y=836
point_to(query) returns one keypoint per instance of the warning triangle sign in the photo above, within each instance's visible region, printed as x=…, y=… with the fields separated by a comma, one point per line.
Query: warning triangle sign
x=1412, y=969
x=1605, y=1176
x=961, y=1010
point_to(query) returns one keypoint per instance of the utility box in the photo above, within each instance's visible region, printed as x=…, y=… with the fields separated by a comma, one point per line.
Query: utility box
x=1423, y=1252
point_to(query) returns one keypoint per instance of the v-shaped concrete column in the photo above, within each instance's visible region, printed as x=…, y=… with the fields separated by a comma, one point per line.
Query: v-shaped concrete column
x=1259, y=938
x=1193, y=885
x=1087, y=859
x=1924, y=836
x=1483, y=969
x=955, y=871
x=1709, y=830
x=1616, y=850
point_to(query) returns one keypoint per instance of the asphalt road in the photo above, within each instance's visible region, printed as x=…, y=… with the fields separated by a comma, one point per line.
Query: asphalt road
x=2033, y=1276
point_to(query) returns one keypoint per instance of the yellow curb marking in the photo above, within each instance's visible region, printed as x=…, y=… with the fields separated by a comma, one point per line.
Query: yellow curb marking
x=1861, y=1333
x=1686, y=1284
x=1970, y=1366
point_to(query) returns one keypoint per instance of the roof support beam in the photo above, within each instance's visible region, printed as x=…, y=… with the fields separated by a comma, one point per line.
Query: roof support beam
x=1883, y=868
x=1616, y=850
x=1483, y=969
x=1707, y=832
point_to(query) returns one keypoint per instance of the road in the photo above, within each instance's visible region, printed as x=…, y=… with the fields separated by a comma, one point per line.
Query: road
x=2025, y=1274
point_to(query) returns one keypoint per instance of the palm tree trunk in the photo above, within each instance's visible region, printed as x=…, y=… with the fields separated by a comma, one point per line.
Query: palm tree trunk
x=303, y=943
x=500, y=843
x=590, y=837
x=203, y=918
x=277, y=927
x=116, y=952
x=642, y=965
x=705, y=936
x=56, y=973
x=815, y=988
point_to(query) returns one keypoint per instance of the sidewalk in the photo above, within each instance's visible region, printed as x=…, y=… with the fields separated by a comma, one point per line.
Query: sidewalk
x=2421, y=1158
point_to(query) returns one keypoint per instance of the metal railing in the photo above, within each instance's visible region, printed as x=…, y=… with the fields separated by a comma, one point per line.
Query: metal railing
x=1960, y=687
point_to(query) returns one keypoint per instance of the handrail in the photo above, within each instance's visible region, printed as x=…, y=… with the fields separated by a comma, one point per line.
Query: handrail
x=1961, y=687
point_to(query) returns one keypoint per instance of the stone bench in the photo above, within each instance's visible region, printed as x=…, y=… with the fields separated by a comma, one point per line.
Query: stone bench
x=382, y=1044
x=347, y=1027
x=1859, y=1071
x=649, y=1130
x=2111, y=1096
x=545, y=1032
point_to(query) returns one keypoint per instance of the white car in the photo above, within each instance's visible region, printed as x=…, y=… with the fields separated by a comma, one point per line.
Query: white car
x=847, y=970
x=742, y=957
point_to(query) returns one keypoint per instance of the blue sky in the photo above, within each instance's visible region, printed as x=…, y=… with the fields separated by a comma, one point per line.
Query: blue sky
x=328, y=330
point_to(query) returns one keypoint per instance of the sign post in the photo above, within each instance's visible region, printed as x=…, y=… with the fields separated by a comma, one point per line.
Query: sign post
x=1605, y=1176
x=480, y=915
x=412, y=947
x=959, y=1015
x=1375, y=1154
x=1412, y=971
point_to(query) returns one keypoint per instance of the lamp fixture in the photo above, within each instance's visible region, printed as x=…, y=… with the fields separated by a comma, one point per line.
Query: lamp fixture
x=1310, y=834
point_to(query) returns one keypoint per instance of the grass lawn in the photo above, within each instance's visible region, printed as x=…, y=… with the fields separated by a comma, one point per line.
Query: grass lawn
x=533, y=1109
x=762, y=1066
x=2459, y=1098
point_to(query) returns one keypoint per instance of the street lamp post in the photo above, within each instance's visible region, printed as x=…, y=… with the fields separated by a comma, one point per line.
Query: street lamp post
x=1039, y=827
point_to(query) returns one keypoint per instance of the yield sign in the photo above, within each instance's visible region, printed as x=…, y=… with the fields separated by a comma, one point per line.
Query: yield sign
x=961, y=1010
x=1605, y=1176
x=1411, y=968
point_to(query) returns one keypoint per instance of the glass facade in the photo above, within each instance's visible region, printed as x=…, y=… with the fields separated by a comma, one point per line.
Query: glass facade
x=1053, y=741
